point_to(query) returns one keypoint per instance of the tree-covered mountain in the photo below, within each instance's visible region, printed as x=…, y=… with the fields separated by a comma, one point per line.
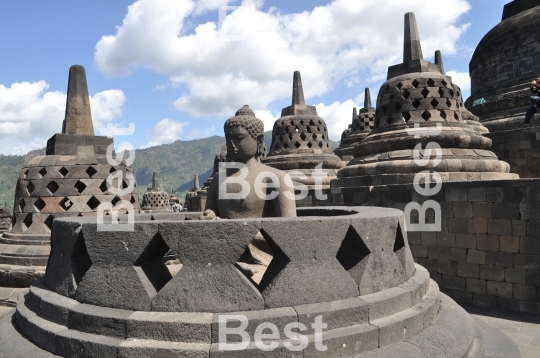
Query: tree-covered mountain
x=175, y=163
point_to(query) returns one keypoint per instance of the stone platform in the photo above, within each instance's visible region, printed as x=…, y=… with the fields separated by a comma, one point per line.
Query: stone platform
x=108, y=294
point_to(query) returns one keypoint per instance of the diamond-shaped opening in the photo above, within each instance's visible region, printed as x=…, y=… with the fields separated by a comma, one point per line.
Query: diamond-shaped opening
x=22, y=204
x=416, y=103
x=256, y=258
x=290, y=136
x=103, y=187
x=151, y=268
x=42, y=172
x=456, y=116
x=311, y=122
x=80, y=186
x=115, y=200
x=442, y=113
x=303, y=136
x=353, y=254
x=287, y=129
x=30, y=188
x=434, y=102
x=323, y=137
x=124, y=184
x=321, y=144
x=425, y=92
x=112, y=170
x=285, y=145
x=93, y=203
x=27, y=220
x=430, y=82
x=63, y=171
x=25, y=174
x=65, y=204
x=400, y=241
x=39, y=204
x=397, y=106
x=91, y=171
x=291, y=122
x=53, y=187
x=444, y=83
x=452, y=93
x=449, y=103
x=297, y=144
x=415, y=83
x=399, y=85
x=426, y=115
x=405, y=94
x=48, y=222
x=314, y=136
x=302, y=122
x=406, y=116
x=309, y=145
x=276, y=264
x=80, y=260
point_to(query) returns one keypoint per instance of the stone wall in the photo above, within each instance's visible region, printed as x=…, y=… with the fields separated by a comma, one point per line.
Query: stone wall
x=488, y=250
x=520, y=148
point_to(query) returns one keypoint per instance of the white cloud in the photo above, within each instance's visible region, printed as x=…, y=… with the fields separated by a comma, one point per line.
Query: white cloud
x=268, y=118
x=337, y=116
x=462, y=79
x=29, y=115
x=343, y=42
x=165, y=131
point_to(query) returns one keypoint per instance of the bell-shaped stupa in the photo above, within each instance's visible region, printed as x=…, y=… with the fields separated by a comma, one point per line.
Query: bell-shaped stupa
x=73, y=179
x=300, y=143
x=362, y=124
x=5, y=218
x=417, y=105
x=155, y=199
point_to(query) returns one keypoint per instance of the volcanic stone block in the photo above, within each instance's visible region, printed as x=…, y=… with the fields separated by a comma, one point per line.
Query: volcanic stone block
x=126, y=265
x=484, y=301
x=499, y=227
x=71, y=343
x=477, y=226
x=482, y=210
x=168, y=326
x=453, y=282
x=515, y=275
x=501, y=259
x=345, y=341
x=476, y=286
x=300, y=276
x=499, y=289
x=487, y=242
x=468, y=270
x=48, y=305
x=99, y=320
x=524, y=293
x=208, y=251
x=336, y=314
x=530, y=262
x=476, y=257
x=494, y=195
x=509, y=244
x=466, y=241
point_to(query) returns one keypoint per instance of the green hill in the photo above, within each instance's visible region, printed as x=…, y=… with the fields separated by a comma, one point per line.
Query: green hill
x=175, y=163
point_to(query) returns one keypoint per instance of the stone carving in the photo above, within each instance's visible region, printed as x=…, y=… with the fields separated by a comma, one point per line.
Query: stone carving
x=300, y=142
x=70, y=180
x=245, y=145
x=362, y=124
x=155, y=199
x=418, y=104
x=500, y=83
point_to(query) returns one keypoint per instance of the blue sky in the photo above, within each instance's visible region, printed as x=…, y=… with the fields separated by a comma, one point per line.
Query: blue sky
x=163, y=65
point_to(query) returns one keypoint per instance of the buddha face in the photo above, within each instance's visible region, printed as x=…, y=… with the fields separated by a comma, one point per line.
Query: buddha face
x=241, y=147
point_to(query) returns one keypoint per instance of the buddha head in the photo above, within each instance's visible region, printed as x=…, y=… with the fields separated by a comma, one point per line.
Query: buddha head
x=244, y=136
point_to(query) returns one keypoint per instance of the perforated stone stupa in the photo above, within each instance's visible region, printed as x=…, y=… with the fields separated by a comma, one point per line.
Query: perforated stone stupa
x=418, y=104
x=70, y=180
x=300, y=141
x=5, y=218
x=155, y=199
x=362, y=124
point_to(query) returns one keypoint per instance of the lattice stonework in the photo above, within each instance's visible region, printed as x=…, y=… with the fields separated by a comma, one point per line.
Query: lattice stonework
x=302, y=133
x=44, y=192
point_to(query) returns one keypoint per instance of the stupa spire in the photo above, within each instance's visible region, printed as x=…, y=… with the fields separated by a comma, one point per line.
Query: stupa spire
x=439, y=61
x=196, y=182
x=354, y=114
x=154, y=180
x=78, y=118
x=412, y=50
x=298, y=90
x=367, y=99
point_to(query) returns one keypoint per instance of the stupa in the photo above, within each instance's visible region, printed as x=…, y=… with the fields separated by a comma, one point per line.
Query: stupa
x=155, y=199
x=503, y=66
x=362, y=124
x=300, y=142
x=419, y=104
x=72, y=179
x=5, y=218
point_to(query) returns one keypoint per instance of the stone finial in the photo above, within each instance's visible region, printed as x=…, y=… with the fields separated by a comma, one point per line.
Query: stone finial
x=78, y=119
x=439, y=61
x=298, y=90
x=354, y=114
x=367, y=99
x=412, y=50
x=154, y=180
x=196, y=182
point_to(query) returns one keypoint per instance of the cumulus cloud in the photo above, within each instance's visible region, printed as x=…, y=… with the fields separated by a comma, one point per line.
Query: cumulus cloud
x=165, y=131
x=337, y=116
x=29, y=115
x=462, y=79
x=250, y=58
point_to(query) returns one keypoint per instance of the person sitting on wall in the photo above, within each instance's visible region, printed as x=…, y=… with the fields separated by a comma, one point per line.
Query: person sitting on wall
x=176, y=207
x=535, y=101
